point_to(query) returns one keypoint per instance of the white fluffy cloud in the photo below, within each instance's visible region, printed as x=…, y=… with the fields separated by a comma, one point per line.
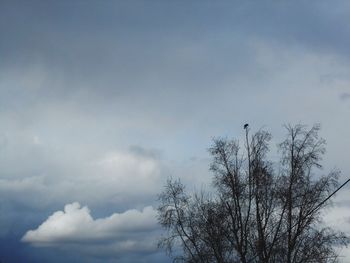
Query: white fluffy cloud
x=75, y=227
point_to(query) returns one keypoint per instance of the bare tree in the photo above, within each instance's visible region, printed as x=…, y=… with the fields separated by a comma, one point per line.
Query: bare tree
x=260, y=211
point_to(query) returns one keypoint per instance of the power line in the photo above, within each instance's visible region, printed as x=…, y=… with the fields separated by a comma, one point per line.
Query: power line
x=316, y=207
x=325, y=200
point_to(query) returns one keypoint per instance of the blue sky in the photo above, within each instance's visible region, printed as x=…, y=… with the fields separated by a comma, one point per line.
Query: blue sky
x=101, y=101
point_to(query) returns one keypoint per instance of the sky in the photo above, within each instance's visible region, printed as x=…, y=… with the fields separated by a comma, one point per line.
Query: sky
x=102, y=101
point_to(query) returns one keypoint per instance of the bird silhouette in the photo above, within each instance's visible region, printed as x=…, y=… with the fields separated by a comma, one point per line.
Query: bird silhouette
x=245, y=126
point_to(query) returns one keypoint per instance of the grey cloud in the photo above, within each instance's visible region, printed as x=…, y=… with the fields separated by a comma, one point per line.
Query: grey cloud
x=345, y=96
x=60, y=23
x=80, y=82
x=120, y=177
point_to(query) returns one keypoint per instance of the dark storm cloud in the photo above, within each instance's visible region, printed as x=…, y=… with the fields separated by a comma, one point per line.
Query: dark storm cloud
x=120, y=40
x=109, y=56
x=91, y=54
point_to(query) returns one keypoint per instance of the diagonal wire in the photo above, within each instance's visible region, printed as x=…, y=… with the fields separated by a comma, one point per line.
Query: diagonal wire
x=317, y=207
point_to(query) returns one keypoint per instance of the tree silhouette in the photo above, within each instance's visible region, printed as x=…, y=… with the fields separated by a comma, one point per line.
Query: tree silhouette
x=260, y=211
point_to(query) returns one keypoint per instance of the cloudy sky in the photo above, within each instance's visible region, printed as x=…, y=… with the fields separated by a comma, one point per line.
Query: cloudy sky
x=101, y=101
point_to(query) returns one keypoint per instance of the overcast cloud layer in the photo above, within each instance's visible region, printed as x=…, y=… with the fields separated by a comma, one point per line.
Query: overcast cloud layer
x=101, y=101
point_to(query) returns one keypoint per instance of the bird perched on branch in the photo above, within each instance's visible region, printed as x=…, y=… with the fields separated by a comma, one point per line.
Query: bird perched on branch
x=245, y=126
